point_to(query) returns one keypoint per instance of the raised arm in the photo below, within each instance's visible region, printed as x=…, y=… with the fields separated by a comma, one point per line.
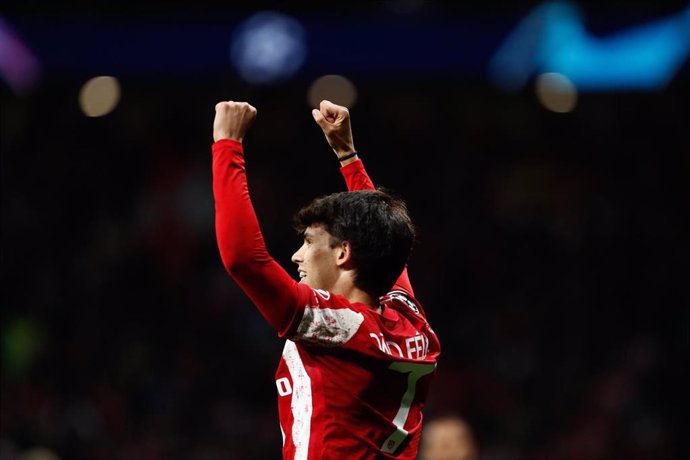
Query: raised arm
x=334, y=121
x=241, y=244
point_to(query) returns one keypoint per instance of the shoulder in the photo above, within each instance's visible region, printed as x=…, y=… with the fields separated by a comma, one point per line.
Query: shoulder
x=328, y=319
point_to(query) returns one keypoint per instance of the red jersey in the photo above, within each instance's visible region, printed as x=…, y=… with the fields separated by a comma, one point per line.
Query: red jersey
x=352, y=381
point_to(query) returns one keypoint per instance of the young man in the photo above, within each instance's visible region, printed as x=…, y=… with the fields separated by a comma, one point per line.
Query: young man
x=359, y=353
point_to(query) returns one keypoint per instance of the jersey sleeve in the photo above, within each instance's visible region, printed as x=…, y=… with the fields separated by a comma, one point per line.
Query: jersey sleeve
x=241, y=244
x=329, y=320
x=356, y=178
x=326, y=319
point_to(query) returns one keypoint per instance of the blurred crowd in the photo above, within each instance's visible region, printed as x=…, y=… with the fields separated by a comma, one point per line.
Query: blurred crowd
x=552, y=261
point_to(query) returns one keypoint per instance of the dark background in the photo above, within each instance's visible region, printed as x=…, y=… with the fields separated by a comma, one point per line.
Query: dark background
x=552, y=256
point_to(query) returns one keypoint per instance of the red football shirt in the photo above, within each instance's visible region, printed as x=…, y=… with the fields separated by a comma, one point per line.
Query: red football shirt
x=351, y=382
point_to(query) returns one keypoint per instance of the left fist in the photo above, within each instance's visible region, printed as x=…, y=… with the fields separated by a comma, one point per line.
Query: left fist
x=232, y=121
x=334, y=121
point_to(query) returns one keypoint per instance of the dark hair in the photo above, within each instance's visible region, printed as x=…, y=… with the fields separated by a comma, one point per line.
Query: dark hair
x=376, y=225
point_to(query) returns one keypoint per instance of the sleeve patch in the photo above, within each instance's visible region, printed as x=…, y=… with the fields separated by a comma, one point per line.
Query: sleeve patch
x=328, y=327
x=401, y=296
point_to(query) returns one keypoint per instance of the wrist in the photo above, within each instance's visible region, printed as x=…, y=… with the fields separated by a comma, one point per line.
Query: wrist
x=220, y=137
x=232, y=143
x=347, y=158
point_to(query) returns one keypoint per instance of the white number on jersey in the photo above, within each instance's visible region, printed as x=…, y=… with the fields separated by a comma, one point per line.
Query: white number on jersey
x=415, y=372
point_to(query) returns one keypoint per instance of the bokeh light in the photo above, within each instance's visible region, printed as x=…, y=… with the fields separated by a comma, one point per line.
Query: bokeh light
x=553, y=37
x=334, y=88
x=99, y=96
x=268, y=47
x=39, y=453
x=21, y=341
x=556, y=92
x=19, y=67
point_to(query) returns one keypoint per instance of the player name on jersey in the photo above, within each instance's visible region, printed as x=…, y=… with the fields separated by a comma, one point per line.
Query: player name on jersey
x=416, y=347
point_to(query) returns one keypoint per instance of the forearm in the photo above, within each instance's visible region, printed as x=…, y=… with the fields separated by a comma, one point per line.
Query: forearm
x=237, y=229
x=241, y=244
x=356, y=176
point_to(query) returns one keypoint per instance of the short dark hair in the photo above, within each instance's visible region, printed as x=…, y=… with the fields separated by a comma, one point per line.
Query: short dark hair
x=377, y=226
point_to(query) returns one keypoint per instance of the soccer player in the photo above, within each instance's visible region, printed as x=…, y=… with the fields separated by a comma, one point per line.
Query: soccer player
x=359, y=353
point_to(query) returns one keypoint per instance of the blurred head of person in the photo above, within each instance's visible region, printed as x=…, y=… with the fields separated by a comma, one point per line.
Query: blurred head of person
x=448, y=438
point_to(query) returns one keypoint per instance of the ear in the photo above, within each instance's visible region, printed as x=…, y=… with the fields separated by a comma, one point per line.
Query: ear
x=344, y=255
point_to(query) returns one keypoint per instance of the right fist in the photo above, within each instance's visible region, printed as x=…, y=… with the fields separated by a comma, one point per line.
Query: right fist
x=334, y=121
x=232, y=121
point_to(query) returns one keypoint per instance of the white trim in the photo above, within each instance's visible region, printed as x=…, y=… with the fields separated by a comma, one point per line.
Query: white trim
x=301, y=403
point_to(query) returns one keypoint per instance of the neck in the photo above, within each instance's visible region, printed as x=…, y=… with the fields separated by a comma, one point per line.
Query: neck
x=346, y=288
x=360, y=296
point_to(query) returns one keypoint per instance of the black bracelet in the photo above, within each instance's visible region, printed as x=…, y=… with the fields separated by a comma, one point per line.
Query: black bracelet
x=348, y=156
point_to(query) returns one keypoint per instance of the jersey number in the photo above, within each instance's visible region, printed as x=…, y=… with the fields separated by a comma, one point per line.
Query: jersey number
x=414, y=371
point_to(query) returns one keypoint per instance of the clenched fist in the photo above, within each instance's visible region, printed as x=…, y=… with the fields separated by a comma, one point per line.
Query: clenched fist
x=232, y=121
x=334, y=121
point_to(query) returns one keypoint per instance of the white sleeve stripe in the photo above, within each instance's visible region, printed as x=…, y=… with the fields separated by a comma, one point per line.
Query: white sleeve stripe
x=301, y=400
x=328, y=327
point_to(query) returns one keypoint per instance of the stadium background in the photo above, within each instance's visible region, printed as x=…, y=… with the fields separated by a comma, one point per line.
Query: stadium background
x=552, y=255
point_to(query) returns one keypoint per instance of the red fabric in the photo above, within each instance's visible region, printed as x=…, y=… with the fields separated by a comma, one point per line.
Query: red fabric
x=343, y=376
x=351, y=382
x=241, y=244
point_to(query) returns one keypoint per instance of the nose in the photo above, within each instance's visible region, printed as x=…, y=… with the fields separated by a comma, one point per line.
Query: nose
x=297, y=256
